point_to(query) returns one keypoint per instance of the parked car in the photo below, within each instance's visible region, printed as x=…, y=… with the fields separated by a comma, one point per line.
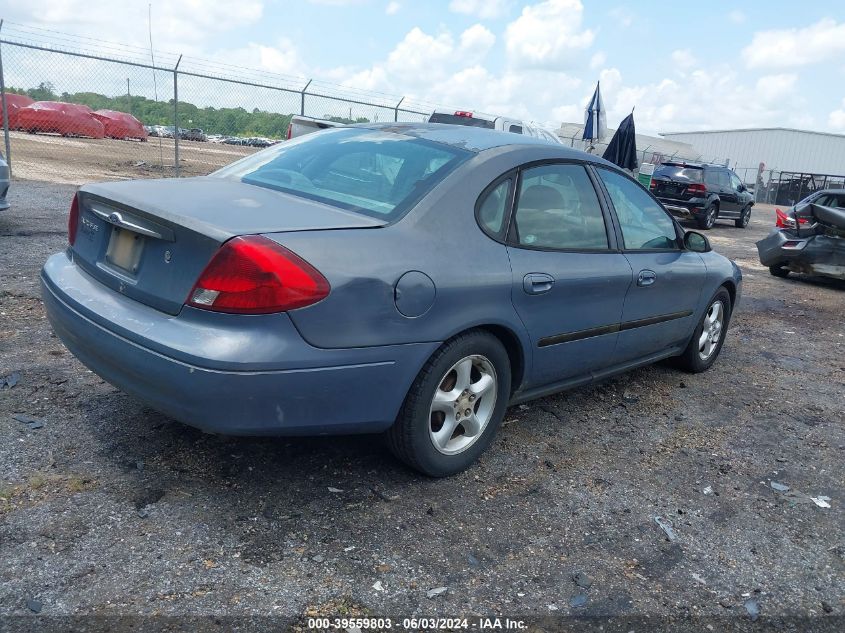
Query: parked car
x=503, y=124
x=121, y=125
x=215, y=138
x=702, y=192
x=55, y=117
x=825, y=197
x=4, y=183
x=410, y=279
x=194, y=134
x=811, y=240
x=301, y=125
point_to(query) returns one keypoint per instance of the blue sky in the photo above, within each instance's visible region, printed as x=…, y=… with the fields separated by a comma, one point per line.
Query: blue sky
x=683, y=65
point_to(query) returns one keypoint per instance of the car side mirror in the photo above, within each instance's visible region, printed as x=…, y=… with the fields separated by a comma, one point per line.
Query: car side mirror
x=696, y=242
x=741, y=188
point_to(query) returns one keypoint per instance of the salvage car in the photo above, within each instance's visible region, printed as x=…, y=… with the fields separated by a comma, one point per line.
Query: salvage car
x=809, y=240
x=56, y=117
x=702, y=192
x=410, y=279
x=120, y=125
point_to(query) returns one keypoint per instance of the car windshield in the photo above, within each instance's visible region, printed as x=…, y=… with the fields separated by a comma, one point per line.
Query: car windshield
x=455, y=119
x=376, y=173
x=679, y=172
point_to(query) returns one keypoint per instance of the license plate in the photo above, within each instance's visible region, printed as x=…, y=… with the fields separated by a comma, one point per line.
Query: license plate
x=124, y=249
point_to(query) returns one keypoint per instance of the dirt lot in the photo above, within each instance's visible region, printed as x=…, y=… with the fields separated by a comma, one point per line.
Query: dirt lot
x=112, y=509
x=74, y=161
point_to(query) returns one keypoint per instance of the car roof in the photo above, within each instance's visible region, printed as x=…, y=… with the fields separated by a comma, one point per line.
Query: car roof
x=475, y=139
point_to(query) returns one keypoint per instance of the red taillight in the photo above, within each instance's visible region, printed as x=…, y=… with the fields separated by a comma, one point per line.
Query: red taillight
x=696, y=188
x=652, y=184
x=782, y=221
x=464, y=113
x=73, y=220
x=255, y=275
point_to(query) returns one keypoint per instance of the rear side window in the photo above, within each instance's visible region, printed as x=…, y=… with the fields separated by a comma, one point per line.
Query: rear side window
x=375, y=173
x=492, y=207
x=516, y=129
x=724, y=179
x=677, y=172
x=557, y=208
x=645, y=225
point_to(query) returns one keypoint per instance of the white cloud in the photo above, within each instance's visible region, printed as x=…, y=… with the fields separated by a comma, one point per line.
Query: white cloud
x=598, y=60
x=790, y=48
x=737, y=17
x=483, y=9
x=547, y=34
x=623, y=16
x=683, y=59
x=836, y=120
x=476, y=41
x=392, y=8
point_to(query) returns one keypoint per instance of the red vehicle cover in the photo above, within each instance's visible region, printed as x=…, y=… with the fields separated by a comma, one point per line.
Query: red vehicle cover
x=121, y=125
x=13, y=104
x=67, y=119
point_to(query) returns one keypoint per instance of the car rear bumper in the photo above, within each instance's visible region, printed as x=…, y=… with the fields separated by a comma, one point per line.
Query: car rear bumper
x=815, y=255
x=258, y=377
x=684, y=208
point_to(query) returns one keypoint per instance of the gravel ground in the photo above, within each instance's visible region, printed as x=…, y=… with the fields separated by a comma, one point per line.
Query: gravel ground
x=75, y=161
x=112, y=509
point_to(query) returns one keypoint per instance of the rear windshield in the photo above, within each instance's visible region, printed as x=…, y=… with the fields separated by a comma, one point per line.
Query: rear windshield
x=678, y=172
x=372, y=172
x=438, y=117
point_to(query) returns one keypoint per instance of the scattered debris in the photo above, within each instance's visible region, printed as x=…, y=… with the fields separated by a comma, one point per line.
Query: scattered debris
x=666, y=526
x=582, y=580
x=380, y=494
x=708, y=490
x=698, y=578
x=34, y=605
x=753, y=608
x=778, y=486
x=826, y=607
x=318, y=558
x=629, y=398
x=551, y=607
x=726, y=603
x=473, y=561
x=378, y=586
x=349, y=549
x=578, y=600
x=31, y=422
x=437, y=591
x=143, y=513
x=822, y=501
x=335, y=490
x=11, y=380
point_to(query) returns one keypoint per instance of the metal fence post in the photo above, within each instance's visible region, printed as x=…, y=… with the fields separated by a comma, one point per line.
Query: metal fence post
x=302, y=98
x=396, y=110
x=5, y=110
x=176, y=116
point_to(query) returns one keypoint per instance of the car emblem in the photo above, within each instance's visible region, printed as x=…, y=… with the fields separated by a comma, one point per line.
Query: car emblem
x=115, y=218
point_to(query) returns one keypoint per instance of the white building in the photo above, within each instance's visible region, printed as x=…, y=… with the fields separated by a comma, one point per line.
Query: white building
x=781, y=149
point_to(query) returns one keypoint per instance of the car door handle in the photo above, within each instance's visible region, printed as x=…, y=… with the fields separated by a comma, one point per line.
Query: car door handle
x=646, y=278
x=537, y=283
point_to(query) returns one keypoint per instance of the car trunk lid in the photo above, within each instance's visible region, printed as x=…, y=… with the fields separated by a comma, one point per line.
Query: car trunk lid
x=151, y=239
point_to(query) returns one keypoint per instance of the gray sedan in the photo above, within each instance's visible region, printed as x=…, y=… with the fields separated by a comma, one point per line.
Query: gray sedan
x=407, y=279
x=4, y=183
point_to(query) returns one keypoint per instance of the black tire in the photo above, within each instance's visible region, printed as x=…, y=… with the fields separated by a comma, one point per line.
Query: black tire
x=409, y=439
x=708, y=219
x=744, y=218
x=690, y=360
x=779, y=271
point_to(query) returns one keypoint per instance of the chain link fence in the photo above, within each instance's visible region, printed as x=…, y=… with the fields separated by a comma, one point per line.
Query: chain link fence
x=73, y=116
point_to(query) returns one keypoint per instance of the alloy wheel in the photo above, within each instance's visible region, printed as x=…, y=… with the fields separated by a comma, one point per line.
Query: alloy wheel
x=711, y=217
x=711, y=330
x=463, y=404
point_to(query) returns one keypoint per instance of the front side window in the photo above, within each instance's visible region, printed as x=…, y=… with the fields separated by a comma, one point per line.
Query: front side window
x=735, y=182
x=645, y=225
x=372, y=172
x=557, y=207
